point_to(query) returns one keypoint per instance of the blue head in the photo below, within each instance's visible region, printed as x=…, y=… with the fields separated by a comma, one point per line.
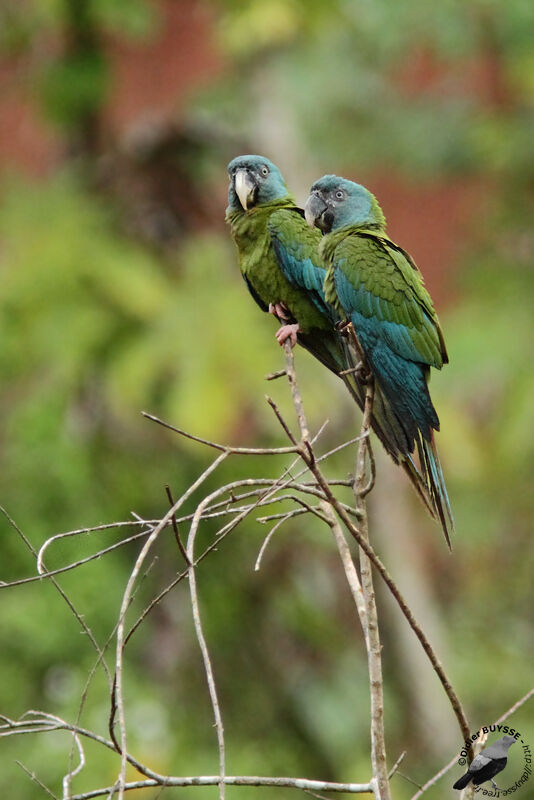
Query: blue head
x=254, y=180
x=336, y=202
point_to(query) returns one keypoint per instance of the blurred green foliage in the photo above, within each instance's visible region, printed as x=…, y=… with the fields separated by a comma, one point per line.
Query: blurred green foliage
x=95, y=326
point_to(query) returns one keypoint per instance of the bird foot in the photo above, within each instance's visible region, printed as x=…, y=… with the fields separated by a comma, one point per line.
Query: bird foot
x=287, y=332
x=494, y=785
x=364, y=375
x=280, y=311
x=342, y=326
x=361, y=372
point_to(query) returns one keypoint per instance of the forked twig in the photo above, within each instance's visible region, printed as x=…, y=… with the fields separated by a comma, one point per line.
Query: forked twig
x=362, y=591
x=118, y=699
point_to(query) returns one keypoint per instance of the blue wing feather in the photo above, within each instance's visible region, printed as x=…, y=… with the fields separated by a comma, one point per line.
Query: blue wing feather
x=295, y=260
x=392, y=355
x=368, y=307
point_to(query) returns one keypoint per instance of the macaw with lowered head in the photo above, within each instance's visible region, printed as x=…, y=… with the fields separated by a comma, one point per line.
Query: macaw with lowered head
x=375, y=284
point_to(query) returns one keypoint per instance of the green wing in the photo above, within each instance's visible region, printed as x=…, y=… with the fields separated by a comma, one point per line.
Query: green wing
x=377, y=281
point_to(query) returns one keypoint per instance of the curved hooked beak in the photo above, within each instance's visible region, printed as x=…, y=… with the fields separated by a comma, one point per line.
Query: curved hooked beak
x=245, y=188
x=314, y=209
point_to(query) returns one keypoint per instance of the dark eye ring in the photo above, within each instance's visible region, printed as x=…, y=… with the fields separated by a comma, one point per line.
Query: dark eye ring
x=264, y=171
x=339, y=194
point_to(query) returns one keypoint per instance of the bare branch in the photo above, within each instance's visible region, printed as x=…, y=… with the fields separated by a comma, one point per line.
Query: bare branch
x=281, y=419
x=175, y=527
x=85, y=627
x=40, y=722
x=304, y=784
x=243, y=451
x=80, y=531
x=370, y=553
x=372, y=639
x=397, y=764
x=271, y=533
x=363, y=593
x=295, y=395
x=202, y=640
x=348, y=565
x=117, y=688
x=73, y=772
x=272, y=376
x=36, y=780
x=223, y=503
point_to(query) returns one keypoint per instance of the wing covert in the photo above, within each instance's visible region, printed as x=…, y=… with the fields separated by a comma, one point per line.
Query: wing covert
x=378, y=283
x=296, y=248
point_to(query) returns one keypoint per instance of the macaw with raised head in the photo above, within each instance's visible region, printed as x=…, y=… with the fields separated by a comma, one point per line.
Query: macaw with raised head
x=375, y=284
x=274, y=241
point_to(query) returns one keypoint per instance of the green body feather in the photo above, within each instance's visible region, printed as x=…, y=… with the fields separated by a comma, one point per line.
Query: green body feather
x=252, y=232
x=394, y=290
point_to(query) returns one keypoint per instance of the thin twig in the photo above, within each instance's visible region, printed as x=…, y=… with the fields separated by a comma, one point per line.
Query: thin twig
x=117, y=693
x=397, y=764
x=304, y=784
x=280, y=418
x=39, y=722
x=36, y=780
x=271, y=533
x=263, y=499
x=175, y=527
x=315, y=794
x=198, y=623
x=351, y=370
x=73, y=772
x=348, y=565
x=403, y=605
x=79, y=617
x=81, y=531
x=272, y=376
x=243, y=451
x=202, y=642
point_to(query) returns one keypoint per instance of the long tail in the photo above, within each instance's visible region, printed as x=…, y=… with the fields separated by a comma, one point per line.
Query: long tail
x=436, y=483
x=392, y=438
x=427, y=478
x=335, y=353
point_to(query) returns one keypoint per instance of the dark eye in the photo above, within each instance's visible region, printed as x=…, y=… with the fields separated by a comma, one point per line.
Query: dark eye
x=339, y=194
x=264, y=171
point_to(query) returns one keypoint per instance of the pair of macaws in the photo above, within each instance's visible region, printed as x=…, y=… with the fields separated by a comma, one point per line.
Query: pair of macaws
x=332, y=264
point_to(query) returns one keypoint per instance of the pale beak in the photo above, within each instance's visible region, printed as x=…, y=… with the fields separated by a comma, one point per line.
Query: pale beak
x=314, y=209
x=244, y=188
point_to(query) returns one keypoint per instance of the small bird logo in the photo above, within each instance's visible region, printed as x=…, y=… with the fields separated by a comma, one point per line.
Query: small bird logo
x=487, y=764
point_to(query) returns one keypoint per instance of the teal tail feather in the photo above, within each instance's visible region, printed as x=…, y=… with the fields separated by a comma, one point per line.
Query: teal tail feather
x=431, y=466
x=392, y=437
x=427, y=477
